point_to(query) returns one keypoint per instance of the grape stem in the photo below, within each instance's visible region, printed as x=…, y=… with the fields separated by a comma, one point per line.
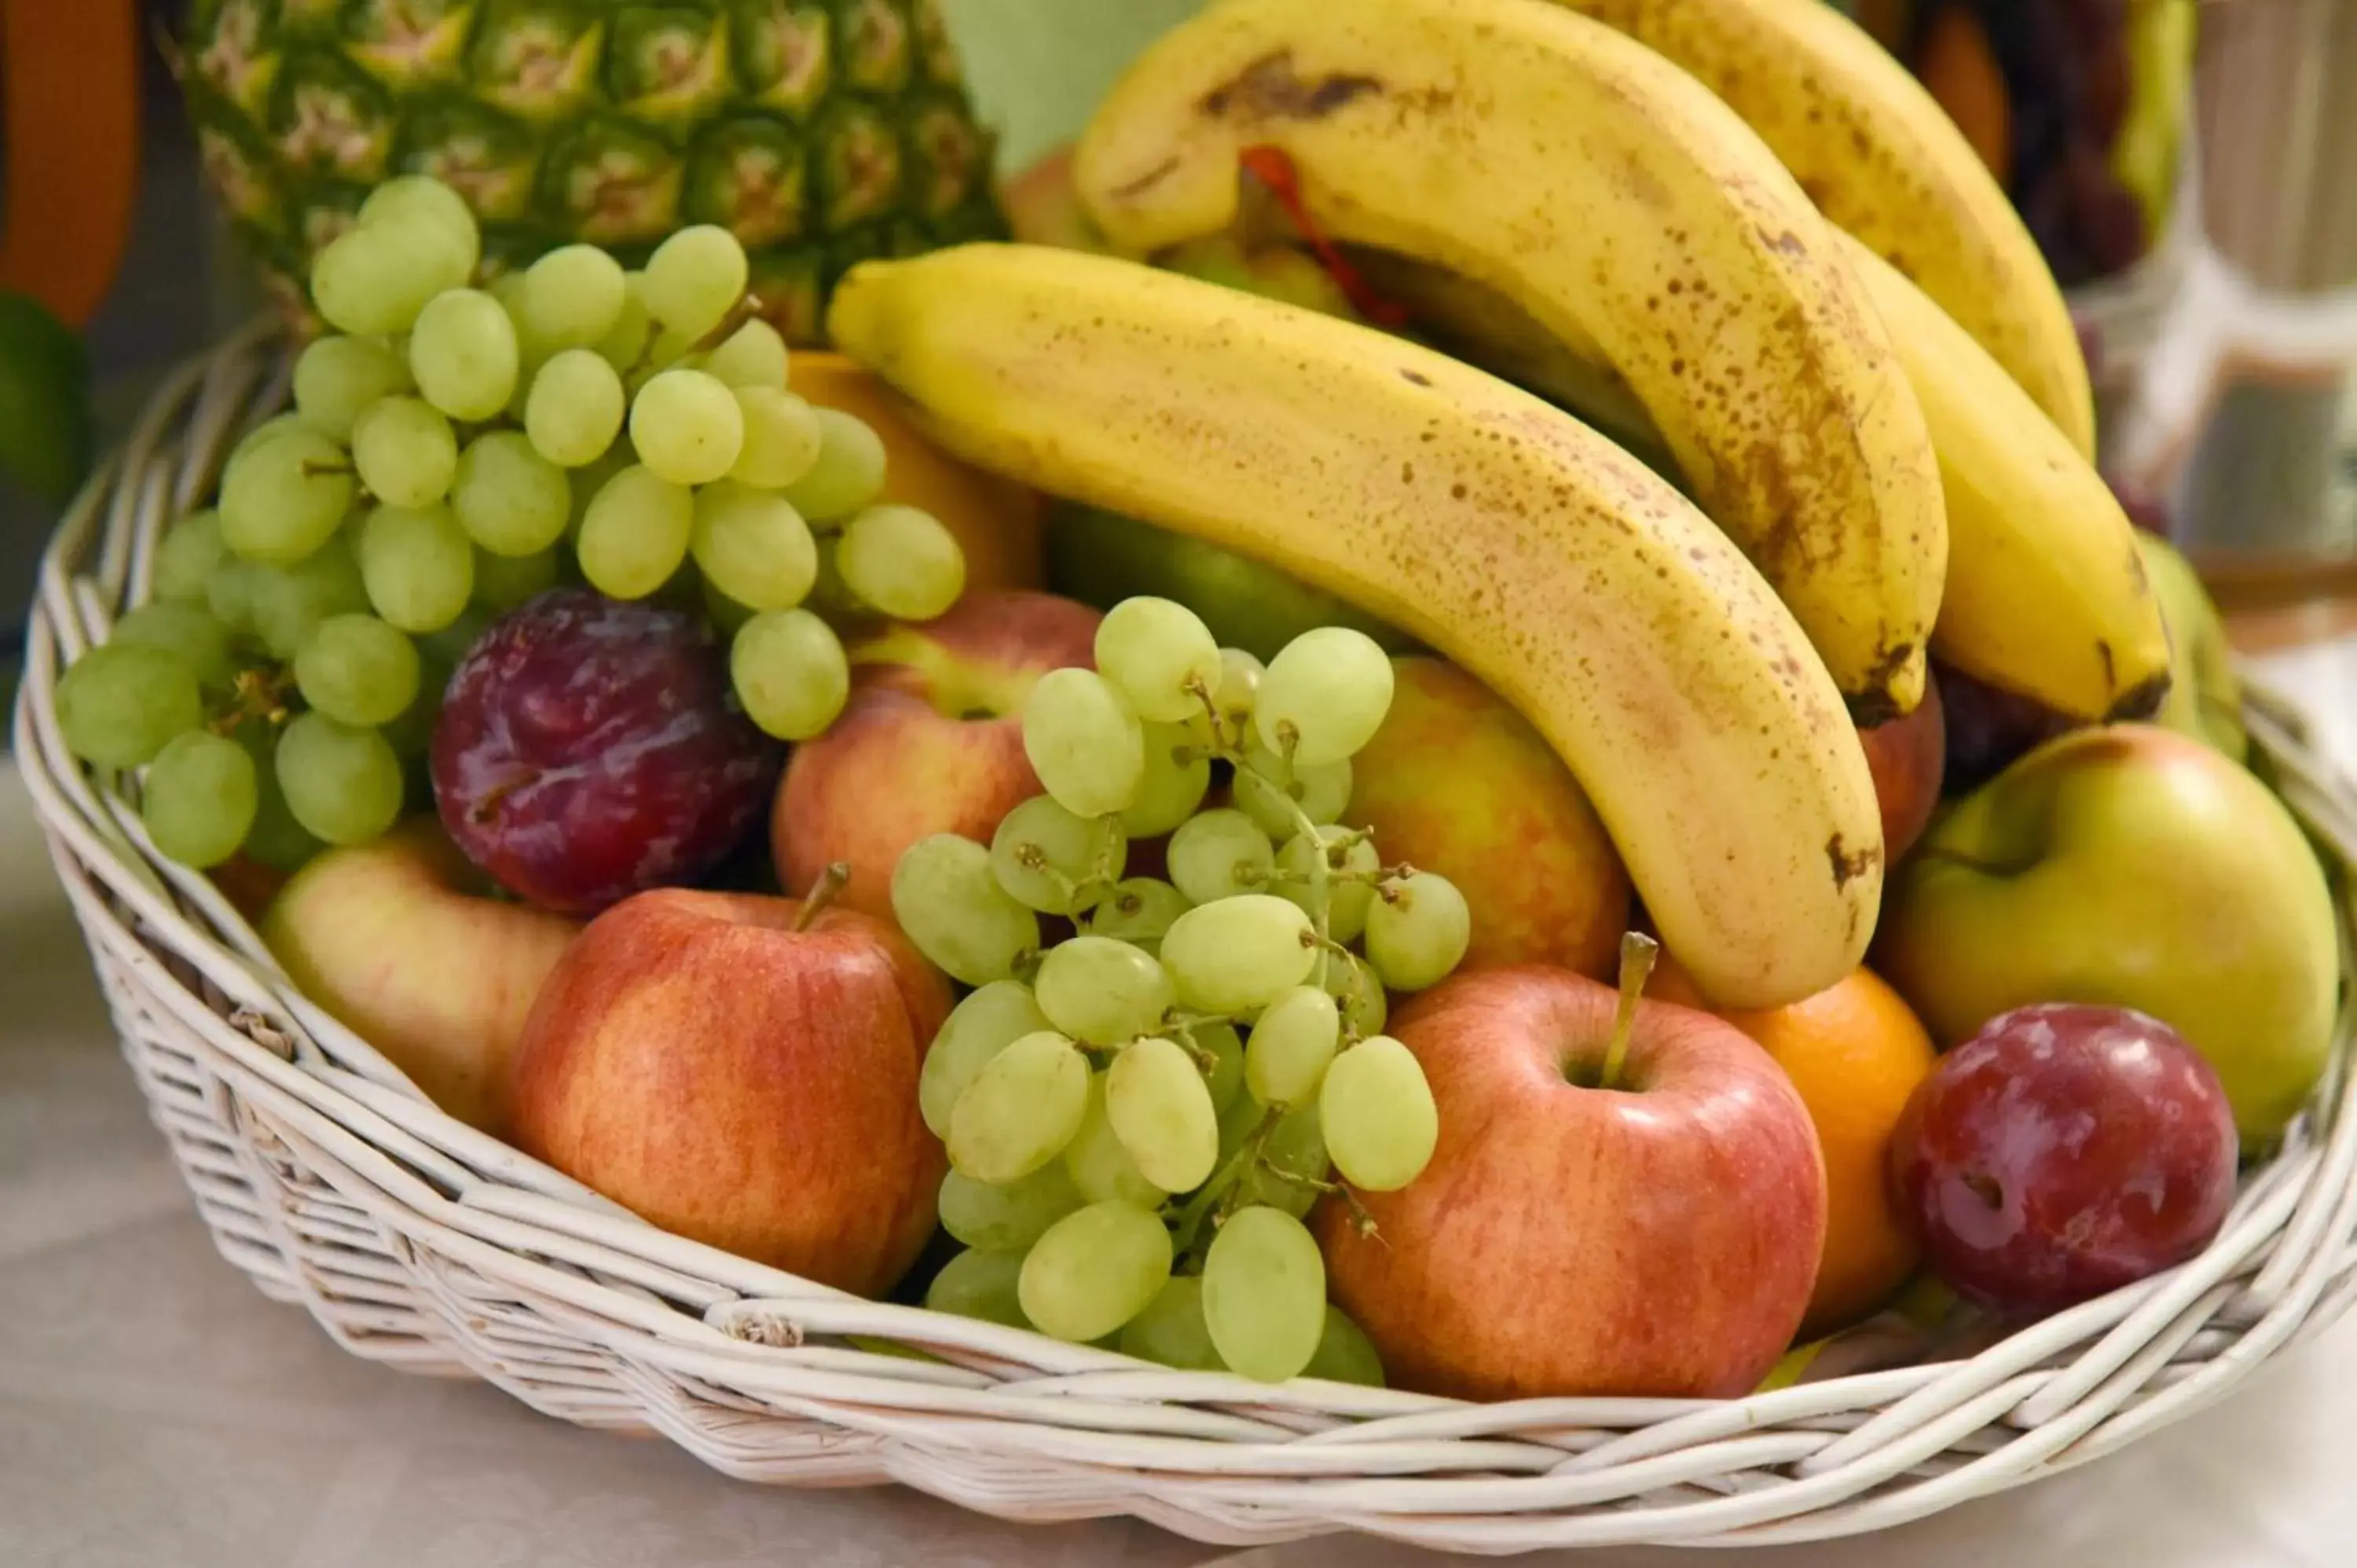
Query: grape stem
x=743, y=311
x=1637, y=952
x=831, y=882
x=1223, y=1182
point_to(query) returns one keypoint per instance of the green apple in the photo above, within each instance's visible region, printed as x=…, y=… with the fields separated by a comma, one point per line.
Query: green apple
x=2205, y=694
x=1101, y=558
x=2136, y=868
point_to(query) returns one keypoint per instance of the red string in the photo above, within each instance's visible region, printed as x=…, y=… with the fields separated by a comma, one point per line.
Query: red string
x=1273, y=167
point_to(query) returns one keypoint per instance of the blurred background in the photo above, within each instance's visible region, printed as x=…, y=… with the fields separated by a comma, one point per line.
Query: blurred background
x=2185, y=166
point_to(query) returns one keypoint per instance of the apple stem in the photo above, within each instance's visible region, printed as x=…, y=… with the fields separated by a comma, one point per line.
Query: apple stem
x=822, y=892
x=1637, y=952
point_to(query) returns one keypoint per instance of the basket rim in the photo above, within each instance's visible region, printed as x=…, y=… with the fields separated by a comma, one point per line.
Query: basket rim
x=710, y=1348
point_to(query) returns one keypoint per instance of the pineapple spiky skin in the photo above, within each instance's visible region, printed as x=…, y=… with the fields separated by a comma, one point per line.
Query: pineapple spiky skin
x=822, y=132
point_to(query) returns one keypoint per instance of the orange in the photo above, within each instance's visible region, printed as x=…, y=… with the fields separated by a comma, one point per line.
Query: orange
x=997, y=521
x=1855, y=1053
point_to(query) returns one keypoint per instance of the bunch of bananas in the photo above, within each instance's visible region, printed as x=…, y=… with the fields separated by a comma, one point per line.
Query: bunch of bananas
x=1742, y=232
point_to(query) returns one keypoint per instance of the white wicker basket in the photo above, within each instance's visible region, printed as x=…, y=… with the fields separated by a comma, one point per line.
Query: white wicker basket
x=419, y=1242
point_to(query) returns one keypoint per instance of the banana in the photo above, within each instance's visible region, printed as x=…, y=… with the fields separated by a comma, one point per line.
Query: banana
x=1884, y=161
x=1613, y=197
x=1484, y=522
x=2047, y=596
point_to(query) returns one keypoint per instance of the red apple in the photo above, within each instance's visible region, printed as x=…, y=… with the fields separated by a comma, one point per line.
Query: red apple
x=931, y=742
x=1908, y=756
x=1659, y=1239
x=400, y=941
x=744, y=1076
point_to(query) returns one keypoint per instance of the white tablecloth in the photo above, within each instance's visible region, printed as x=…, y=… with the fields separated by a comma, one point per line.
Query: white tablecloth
x=157, y=1412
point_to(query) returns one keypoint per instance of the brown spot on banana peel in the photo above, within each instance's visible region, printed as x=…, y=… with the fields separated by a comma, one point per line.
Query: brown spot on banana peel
x=1850, y=865
x=1271, y=88
x=1150, y=179
x=2141, y=703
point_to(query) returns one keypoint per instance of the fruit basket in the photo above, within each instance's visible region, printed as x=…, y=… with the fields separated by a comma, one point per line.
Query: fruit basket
x=418, y=1242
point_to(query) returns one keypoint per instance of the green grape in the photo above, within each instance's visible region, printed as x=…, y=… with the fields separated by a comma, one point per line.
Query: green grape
x=782, y=437
x=1095, y=1270
x=358, y=671
x=1237, y=955
x=1326, y=693
x=190, y=633
x=1170, y=1332
x=953, y=908
x=847, y=474
x=229, y=594
x=1138, y=909
x=270, y=429
x=591, y=477
x=1345, y=1354
x=754, y=356
x=1377, y=1115
x=509, y=498
x=1264, y=1294
x=753, y=547
x=902, y=561
x=1102, y=991
x=276, y=839
x=405, y=451
x=992, y=1019
x=344, y=785
x=1225, y=1076
x=187, y=556
x=1232, y=700
x=1292, y=1163
x=417, y=565
x=284, y=497
x=635, y=533
x=790, y=672
x=504, y=582
x=198, y=798
x=1351, y=865
x=335, y=378
x=1218, y=854
x=377, y=279
x=1054, y=862
x=416, y=202
x=1101, y=1167
x=1351, y=982
x=980, y=1284
x=694, y=279
x=1417, y=930
x=572, y=297
x=981, y=1215
x=288, y=601
x=1020, y=1110
x=1083, y=741
x=1161, y=1110
x=118, y=705
x=727, y=616
x=574, y=409
x=464, y=354
x=1160, y=656
x=626, y=344
x=1268, y=792
x=1177, y=774
x=1291, y=1045
x=687, y=427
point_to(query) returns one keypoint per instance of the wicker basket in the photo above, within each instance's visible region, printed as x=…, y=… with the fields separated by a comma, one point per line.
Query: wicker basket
x=417, y=1242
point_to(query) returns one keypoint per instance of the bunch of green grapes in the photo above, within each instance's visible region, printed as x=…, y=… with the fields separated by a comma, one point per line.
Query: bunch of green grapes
x=452, y=452
x=1140, y=1117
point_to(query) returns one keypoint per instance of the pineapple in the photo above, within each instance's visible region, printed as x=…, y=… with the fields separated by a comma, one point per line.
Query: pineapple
x=821, y=132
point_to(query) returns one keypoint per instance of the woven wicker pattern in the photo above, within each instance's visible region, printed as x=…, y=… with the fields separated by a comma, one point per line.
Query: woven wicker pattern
x=418, y=1242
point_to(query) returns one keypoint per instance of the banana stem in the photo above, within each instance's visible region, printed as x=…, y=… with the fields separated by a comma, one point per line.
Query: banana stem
x=1638, y=951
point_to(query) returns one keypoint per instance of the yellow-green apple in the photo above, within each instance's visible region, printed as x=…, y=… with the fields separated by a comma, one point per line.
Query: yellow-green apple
x=2129, y=866
x=2205, y=694
x=1457, y=782
x=742, y=1071
x=931, y=742
x=401, y=942
x=1907, y=757
x=1648, y=1229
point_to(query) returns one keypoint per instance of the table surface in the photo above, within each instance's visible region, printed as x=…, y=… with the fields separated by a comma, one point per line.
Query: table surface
x=157, y=1412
